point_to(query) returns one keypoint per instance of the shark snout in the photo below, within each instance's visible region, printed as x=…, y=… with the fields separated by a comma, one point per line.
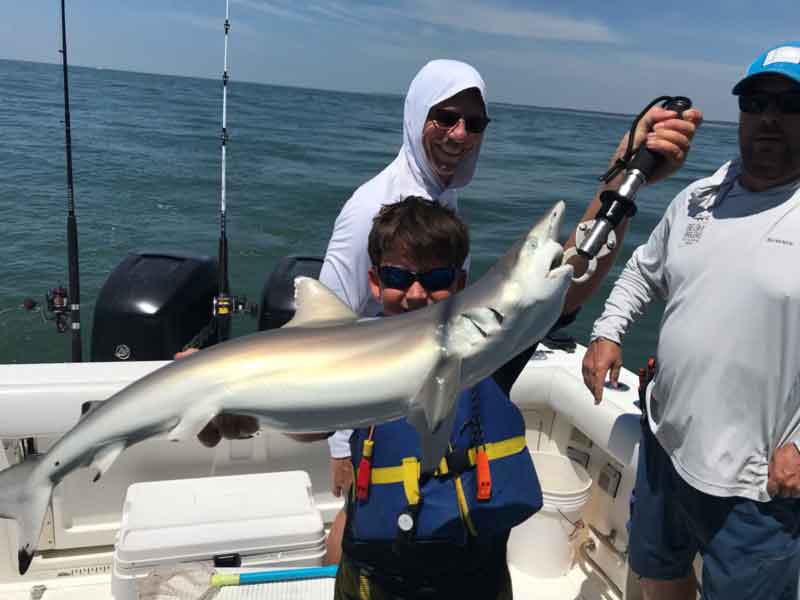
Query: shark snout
x=556, y=217
x=546, y=233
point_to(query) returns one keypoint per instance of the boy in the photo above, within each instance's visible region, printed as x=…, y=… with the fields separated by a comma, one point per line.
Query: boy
x=445, y=534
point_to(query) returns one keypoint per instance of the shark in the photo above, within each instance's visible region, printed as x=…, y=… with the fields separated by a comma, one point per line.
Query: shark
x=324, y=370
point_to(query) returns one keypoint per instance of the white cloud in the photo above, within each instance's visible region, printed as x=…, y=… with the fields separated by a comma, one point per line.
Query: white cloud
x=287, y=11
x=497, y=20
x=466, y=15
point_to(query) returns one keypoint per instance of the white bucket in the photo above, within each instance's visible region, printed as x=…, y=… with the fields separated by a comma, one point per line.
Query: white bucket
x=541, y=546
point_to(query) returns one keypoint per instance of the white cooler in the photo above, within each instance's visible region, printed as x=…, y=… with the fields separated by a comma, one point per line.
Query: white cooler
x=270, y=520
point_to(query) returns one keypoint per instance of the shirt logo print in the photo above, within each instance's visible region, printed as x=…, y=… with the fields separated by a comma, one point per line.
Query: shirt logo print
x=694, y=230
x=773, y=240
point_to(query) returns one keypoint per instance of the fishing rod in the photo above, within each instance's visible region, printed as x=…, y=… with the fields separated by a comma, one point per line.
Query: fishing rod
x=223, y=302
x=73, y=297
x=595, y=238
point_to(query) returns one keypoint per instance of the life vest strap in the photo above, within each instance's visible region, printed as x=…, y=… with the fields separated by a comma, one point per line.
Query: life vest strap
x=400, y=473
x=411, y=471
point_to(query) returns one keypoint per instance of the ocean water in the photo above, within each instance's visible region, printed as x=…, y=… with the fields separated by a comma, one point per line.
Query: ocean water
x=147, y=176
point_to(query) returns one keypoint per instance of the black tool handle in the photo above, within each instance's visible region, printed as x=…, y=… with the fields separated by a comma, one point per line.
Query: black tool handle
x=645, y=159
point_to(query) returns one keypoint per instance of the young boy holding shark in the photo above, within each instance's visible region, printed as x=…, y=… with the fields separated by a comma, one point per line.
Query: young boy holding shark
x=434, y=535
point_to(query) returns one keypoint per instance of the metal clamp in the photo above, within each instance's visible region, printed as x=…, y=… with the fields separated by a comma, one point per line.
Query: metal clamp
x=581, y=233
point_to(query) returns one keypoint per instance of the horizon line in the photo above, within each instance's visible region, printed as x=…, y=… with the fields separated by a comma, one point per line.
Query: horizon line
x=333, y=90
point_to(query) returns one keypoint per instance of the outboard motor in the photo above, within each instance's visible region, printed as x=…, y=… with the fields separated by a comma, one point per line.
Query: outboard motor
x=277, y=298
x=152, y=304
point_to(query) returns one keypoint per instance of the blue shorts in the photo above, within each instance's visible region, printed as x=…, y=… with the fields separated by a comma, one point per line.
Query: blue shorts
x=750, y=550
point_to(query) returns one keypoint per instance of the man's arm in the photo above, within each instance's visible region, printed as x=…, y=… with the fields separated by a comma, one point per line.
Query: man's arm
x=662, y=132
x=642, y=279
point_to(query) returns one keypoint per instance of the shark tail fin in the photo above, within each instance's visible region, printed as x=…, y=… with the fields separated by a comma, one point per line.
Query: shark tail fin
x=24, y=496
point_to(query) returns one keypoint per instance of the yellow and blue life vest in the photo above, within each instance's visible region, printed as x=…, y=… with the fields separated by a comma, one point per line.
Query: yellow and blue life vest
x=446, y=505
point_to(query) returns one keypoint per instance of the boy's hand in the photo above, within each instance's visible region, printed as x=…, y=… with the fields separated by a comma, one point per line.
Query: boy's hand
x=341, y=475
x=230, y=427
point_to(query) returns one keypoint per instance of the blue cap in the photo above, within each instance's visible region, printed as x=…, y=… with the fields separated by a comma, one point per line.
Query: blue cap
x=783, y=59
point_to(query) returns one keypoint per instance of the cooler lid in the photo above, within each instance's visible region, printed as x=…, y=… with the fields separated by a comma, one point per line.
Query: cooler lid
x=196, y=519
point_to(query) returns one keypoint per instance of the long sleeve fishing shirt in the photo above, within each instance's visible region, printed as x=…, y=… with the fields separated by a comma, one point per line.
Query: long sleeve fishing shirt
x=347, y=261
x=727, y=392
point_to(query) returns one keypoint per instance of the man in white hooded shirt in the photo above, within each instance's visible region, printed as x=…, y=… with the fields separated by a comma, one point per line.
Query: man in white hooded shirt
x=433, y=162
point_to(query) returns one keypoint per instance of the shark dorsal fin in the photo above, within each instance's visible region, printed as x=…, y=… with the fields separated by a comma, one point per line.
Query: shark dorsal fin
x=316, y=305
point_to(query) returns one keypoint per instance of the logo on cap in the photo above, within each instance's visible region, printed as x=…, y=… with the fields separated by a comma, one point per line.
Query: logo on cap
x=784, y=54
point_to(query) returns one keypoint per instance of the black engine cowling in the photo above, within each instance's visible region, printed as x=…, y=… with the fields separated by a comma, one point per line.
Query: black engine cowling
x=152, y=304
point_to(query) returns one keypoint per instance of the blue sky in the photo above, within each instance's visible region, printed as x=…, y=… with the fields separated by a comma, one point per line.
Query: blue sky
x=612, y=56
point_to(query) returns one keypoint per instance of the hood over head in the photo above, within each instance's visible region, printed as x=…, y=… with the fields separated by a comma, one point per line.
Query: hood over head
x=436, y=81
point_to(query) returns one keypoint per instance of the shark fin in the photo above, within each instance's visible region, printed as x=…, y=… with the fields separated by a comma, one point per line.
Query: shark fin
x=105, y=457
x=316, y=305
x=24, y=496
x=434, y=410
x=438, y=393
x=89, y=407
x=433, y=444
x=190, y=424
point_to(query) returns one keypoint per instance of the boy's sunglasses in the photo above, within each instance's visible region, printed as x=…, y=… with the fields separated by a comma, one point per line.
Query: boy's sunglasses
x=449, y=118
x=757, y=103
x=434, y=280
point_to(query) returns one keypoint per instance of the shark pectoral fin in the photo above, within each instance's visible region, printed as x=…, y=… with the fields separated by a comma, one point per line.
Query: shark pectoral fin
x=433, y=411
x=438, y=393
x=316, y=305
x=190, y=424
x=105, y=457
x=433, y=443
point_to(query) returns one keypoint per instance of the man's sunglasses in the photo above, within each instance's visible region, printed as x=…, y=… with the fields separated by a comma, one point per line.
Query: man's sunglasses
x=449, y=118
x=757, y=103
x=435, y=280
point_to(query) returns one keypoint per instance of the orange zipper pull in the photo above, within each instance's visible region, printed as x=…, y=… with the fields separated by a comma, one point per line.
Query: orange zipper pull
x=484, y=475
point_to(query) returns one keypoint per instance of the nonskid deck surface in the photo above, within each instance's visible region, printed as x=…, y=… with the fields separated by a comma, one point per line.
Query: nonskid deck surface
x=318, y=589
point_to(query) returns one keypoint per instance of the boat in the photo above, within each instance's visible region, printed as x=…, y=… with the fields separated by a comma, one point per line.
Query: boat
x=575, y=548
x=76, y=558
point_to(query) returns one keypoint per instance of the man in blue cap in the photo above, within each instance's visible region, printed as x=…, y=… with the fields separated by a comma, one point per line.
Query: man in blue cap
x=719, y=464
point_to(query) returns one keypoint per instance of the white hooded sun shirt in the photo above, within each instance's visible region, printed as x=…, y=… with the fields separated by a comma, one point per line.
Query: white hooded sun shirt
x=347, y=261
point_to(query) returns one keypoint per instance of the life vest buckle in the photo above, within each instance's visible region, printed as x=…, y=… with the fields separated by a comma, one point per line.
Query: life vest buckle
x=457, y=462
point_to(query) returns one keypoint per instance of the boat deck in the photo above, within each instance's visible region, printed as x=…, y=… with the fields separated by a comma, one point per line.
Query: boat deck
x=579, y=584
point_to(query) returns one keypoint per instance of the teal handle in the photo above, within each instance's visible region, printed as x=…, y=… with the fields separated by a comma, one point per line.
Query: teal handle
x=273, y=576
